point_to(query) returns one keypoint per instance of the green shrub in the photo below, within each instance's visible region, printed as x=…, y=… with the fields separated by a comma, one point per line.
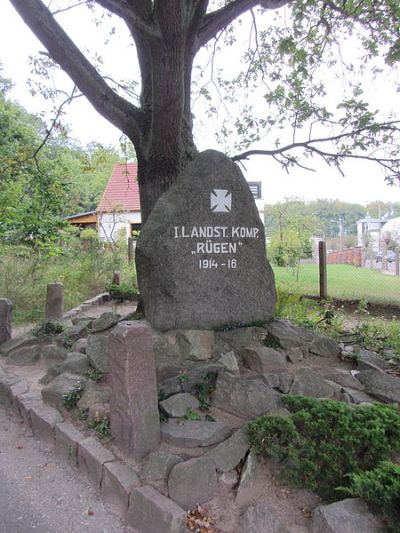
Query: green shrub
x=322, y=442
x=122, y=292
x=102, y=427
x=380, y=487
x=46, y=328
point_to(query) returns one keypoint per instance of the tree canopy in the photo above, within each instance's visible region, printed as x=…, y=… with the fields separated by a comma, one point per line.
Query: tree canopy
x=289, y=42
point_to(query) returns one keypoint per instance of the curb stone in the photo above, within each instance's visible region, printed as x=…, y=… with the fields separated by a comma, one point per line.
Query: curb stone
x=144, y=508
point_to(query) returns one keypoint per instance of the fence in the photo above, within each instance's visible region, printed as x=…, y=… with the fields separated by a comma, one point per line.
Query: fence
x=336, y=276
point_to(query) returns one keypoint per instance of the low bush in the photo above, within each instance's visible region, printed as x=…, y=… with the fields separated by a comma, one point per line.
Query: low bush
x=323, y=442
x=380, y=487
x=122, y=292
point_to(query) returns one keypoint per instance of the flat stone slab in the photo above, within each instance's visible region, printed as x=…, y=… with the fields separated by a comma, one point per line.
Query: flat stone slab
x=178, y=405
x=60, y=386
x=309, y=383
x=380, y=385
x=247, y=398
x=347, y=516
x=117, y=483
x=159, y=465
x=262, y=359
x=193, y=482
x=193, y=433
x=105, y=321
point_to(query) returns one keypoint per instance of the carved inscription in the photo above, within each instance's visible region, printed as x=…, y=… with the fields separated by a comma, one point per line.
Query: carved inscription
x=217, y=246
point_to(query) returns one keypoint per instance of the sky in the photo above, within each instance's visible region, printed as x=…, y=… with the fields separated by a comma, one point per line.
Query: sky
x=362, y=183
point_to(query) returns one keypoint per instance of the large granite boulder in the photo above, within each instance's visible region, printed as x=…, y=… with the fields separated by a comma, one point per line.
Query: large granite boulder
x=380, y=385
x=201, y=254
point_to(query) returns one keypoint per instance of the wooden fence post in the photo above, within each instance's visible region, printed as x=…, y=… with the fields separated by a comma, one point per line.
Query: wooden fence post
x=397, y=261
x=323, y=284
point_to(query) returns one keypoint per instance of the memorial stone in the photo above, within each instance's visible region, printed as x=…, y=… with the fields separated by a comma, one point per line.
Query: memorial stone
x=201, y=254
x=5, y=320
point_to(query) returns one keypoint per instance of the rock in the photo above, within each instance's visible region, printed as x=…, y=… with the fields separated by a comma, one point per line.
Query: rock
x=54, y=301
x=248, y=478
x=192, y=482
x=287, y=335
x=262, y=359
x=159, y=465
x=178, y=405
x=60, y=386
x=97, y=352
x=53, y=352
x=26, y=355
x=151, y=512
x=285, y=382
x=229, y=479
x=22, y=342
x=380, y=385
x=5, y=320
x=105, y=321
x=229, y=362
x=80, y=346
x=236, y=338
x=187, y=380
x=367, y=360
x=294, y=355
x=94, y=394
x=207, y=230
x=76, y=363
x=247, y=398
x=167, y=352
x=324, y=346
x=343, y=378
x=356, y=396
x=73, y=333
x=196, y=345
x=272, y=380
x=346, y=516
x=308, y=383
x=260, y=519
x=193, y=433
x=135, y=422
x=228, y=454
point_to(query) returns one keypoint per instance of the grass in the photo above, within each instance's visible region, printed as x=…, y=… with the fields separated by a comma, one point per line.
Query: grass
x=345, y=282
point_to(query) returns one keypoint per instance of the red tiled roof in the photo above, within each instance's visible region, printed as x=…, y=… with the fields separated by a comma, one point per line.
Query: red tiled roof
x=122, y=191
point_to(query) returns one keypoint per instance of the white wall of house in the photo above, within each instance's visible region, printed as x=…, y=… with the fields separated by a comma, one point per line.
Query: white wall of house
x=113, y=226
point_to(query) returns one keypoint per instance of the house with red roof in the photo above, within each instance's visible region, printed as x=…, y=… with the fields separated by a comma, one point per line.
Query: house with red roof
x=118, y=212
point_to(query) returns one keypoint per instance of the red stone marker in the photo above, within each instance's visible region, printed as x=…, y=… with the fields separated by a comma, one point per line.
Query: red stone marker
x=135, y=423
x=5, y=319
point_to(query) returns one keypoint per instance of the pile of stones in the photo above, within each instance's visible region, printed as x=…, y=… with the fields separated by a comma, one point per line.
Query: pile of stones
x=210, y=384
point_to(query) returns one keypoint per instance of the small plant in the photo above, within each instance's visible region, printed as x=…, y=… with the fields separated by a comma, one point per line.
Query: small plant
x=95, y=375
x=204, y=390
x=183, y=377
x=236, y=325
x=72, y=397
x=163, y=416
x=47, y=328
x=191, y=415
x=122, y=292
x=323, y=442
x=270, y=341
x=102, y=427
x=380, y=487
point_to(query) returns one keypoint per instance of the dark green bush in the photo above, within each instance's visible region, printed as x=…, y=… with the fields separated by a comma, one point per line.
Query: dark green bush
x=46, y=328
x=122, y=292
x=380, y=487
x=322, y=442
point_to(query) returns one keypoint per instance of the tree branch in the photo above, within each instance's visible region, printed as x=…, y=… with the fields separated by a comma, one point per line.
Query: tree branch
x=62, y=49
x=217, y=20
x=391, y=165
x=130, y=15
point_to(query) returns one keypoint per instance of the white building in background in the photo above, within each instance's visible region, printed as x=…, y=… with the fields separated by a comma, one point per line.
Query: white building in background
x=118, y=213
x=369, y=232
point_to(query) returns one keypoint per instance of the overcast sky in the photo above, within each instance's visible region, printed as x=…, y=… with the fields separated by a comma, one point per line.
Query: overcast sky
x=362, y=183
